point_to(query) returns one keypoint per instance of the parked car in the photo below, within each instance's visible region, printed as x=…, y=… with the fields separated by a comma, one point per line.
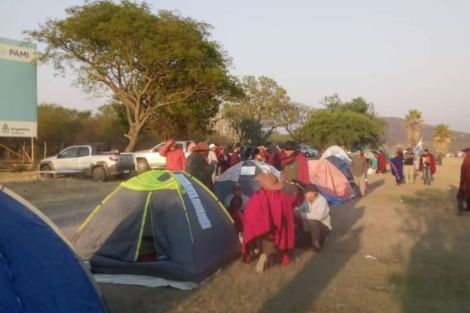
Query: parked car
x=438, y=158
x=309, y=152
x=95, y=160
x=151, y=158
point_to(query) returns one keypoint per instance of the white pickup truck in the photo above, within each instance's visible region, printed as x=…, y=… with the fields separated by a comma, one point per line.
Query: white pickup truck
x=151, y=159
x=95, y=160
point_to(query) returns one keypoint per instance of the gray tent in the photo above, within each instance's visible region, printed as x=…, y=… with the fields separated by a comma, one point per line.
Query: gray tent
x=160, y=223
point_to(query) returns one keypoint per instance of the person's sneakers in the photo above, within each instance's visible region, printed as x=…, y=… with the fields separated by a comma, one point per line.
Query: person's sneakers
x=262, y=264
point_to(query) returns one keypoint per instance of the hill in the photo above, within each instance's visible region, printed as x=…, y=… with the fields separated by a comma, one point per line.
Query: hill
x=396, y=135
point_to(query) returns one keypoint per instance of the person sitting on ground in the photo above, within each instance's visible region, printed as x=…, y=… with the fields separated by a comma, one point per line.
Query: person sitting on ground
x=314, y=217
x=198, y=166
x=427, y=165
x=269, y=223
x=463, y=195
x=175, y=158
x=237, y=192
x=294, y=167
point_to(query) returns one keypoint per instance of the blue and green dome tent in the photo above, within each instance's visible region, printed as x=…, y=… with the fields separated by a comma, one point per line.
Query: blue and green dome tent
x=162, y=224
x=39, y=270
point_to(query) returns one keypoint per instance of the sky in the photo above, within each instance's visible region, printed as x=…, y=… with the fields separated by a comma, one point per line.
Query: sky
x=399, y=55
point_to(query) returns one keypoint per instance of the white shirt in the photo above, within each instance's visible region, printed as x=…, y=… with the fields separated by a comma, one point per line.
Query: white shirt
x=212, y=157
x=318, y=210
x=229, y=198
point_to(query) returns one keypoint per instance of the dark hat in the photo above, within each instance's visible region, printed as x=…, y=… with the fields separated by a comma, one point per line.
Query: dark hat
x=466, y=150
x=290, y=145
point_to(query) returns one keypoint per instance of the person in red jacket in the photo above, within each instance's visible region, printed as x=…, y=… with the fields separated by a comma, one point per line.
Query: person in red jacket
x=235, y=157
x=175, y=158
x=264, y=152
x=427, y=165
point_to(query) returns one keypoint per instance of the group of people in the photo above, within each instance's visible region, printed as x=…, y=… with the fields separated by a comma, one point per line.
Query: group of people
x=404, y=166
x=286, y=211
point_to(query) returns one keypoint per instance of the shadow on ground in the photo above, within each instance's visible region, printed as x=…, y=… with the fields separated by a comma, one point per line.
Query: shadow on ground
x=300, y=294
x=437, y=278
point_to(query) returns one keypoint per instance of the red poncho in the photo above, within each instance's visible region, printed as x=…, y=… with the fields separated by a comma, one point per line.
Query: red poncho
x=382, y=162
x=269, y=212
x=465, y=177
x=432, y=163
x=268, y=156
x=299, y=157
x=234, y=159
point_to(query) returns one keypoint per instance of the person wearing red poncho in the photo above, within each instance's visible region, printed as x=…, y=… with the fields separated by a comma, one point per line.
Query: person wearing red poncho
x=463, y=195
x=427, y=165
x=381, y=162
x=269, y=223
x=267, y=157
x=294, y=167
x=235, y=157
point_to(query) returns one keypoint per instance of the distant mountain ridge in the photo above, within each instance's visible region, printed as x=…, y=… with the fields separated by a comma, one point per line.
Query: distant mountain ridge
x=395, y=135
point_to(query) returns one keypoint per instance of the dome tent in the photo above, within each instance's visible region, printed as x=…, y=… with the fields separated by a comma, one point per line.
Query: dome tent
x=343, y=166
x=39, y=270
x=160, y=223
x=336, y=151
x=243, y=174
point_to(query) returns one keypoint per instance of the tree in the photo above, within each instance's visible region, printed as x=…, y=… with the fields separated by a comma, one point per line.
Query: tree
x=344, y=128
x=352, y=123
x=442, y=138
x=414, y=123
x=258, y=111
x=145, y=61
x=293, y=117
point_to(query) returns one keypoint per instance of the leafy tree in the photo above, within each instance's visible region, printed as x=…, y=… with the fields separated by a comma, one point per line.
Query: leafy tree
x=59, y=127
x=258, y=111
x=442, y=138
x=293, y=117
x=347, y=129
x=145, y=61
x=414, y=123
x=352, y=123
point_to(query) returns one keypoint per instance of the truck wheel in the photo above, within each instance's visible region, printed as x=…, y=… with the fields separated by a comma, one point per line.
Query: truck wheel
x=46, y=168
x=99, y=174
x=142, y=165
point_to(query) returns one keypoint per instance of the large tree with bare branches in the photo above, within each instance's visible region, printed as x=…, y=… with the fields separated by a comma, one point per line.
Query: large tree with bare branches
x=144, y=61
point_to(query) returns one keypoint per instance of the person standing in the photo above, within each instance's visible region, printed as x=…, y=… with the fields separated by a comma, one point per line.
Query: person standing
x=396, y=163
x=213, y=159
x=277, y=159
x=314, y=215
x=463, y=195
x=427, y=165
x=409, y=166
x=224, y=160
x=175, y=158
x=359, y=167
x=198, y=166
x=294, y=167
x=266, y=155
x=381, y=162
x=235, y=157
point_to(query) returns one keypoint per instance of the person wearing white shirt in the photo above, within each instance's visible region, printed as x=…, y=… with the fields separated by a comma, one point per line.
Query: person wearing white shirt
x=314, y=215
x=212, y=159
x=237, y=191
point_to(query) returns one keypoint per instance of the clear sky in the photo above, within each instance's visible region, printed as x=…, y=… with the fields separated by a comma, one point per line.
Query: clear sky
x=398, y=54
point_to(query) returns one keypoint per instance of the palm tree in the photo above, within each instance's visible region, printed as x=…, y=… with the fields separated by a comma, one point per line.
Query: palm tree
x=414, y=123
x=442, y=138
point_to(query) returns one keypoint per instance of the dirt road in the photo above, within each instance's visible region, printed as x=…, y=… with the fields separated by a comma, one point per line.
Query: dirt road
x=399, y=250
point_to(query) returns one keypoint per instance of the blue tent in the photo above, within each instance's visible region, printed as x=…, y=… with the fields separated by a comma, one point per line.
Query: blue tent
x=243, y=174
x=39, y=270
x=343, y=166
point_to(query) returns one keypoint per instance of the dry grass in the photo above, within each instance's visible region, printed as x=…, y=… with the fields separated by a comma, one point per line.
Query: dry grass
x=417, y=248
